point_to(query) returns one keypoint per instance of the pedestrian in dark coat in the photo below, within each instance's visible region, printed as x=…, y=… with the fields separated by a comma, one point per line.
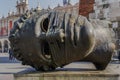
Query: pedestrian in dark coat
x=10, y=54
x=119, y=55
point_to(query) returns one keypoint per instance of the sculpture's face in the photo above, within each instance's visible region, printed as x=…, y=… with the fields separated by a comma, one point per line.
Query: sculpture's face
x=50, y=40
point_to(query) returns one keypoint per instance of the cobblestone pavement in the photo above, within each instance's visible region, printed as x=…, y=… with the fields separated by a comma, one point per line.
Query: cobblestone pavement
x=8, y=69
x=6, y=77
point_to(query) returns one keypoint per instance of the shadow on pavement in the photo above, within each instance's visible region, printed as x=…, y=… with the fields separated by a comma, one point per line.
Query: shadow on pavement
x=32, y=70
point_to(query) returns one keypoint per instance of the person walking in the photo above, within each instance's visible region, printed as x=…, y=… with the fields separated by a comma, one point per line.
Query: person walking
x=119, y=55
x=10, y=54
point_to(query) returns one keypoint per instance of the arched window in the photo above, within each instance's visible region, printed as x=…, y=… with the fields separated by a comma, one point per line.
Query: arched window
x=19, y=10
x=23, y=10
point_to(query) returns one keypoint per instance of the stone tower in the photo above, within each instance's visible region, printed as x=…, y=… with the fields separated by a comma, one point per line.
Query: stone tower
x=66, y=2
x=86, y=7
x=22, y=6
x=38, y=7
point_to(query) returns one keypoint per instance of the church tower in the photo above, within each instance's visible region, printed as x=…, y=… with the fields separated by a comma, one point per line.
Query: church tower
x=38, y=7
x=22, y=6
x=66, y=2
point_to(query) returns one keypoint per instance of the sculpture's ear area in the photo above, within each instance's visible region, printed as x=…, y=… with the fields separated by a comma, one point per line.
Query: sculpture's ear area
x=87, y=37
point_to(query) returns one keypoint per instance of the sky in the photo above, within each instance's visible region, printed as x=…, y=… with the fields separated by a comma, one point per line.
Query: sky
x=9, y=5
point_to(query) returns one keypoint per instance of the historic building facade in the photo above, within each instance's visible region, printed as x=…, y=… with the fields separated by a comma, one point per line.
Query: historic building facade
x=68, y=7
x=6, y=23
x=83, y=7
x=101, y=10
x=108, y=10
x=114, y=15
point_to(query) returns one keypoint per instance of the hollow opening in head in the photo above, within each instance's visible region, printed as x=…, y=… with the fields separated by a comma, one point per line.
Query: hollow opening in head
x=44, y=24
x=46, y=52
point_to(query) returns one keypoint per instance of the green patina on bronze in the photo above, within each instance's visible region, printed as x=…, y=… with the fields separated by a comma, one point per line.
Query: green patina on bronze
x=46, y=40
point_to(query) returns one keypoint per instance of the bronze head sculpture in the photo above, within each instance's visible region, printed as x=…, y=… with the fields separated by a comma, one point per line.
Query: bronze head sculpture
x=46, y=40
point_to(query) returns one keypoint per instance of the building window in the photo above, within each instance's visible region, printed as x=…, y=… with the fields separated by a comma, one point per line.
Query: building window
x=10, y=25
x=118, y=41
x=19, y=10
x=23, y=10
x=119, y=4
x=105, y=5
x=103, y=0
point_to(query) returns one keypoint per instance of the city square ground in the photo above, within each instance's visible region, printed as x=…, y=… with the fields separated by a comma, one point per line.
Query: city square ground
x=10, y=67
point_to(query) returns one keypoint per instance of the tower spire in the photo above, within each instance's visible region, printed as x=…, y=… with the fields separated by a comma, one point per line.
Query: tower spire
x=26, y=1
x=64, y=2
x=38, y=6
x=69, y=1
x=21, y=1
x=22, y=6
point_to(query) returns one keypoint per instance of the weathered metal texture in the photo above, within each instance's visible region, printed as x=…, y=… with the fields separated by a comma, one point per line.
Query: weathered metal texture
x=46, y=40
